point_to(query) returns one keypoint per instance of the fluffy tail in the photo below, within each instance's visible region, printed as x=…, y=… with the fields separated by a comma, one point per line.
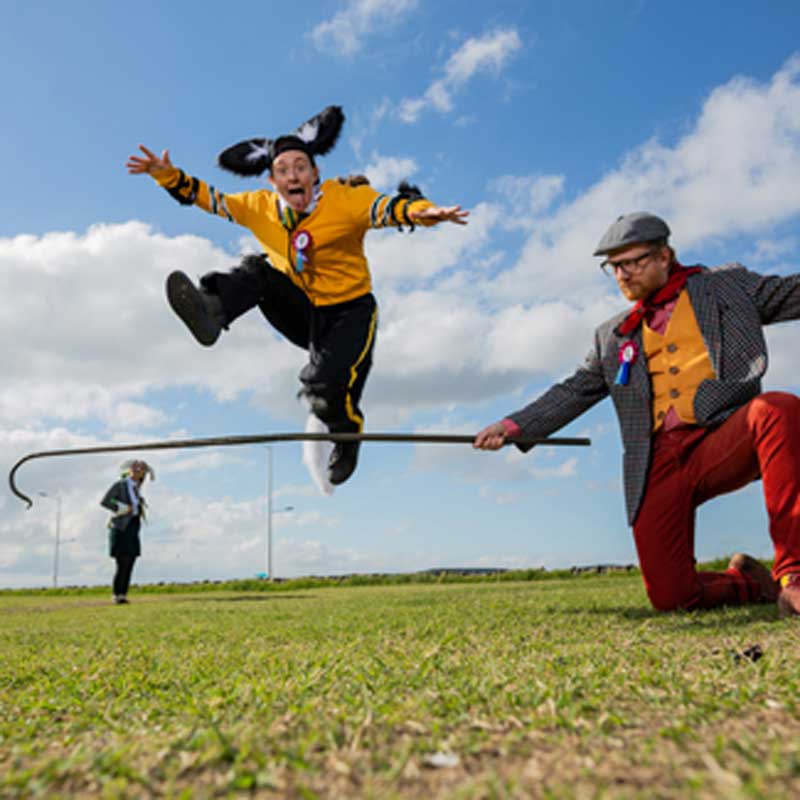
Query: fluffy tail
x=316, y=455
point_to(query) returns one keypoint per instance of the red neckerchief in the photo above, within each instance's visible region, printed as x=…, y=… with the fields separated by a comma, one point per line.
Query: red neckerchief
x=678, y=276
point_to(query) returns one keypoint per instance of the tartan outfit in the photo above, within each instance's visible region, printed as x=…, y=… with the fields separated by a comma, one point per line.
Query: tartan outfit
x=731, y=304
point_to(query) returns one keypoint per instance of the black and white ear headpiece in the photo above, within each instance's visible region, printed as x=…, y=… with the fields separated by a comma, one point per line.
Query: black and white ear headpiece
x=316, y=136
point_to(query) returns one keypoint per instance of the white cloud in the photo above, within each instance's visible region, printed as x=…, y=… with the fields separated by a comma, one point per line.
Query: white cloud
x=410, y=109
x=782, y=346
x=410, y=259
x=503, y=498
x=506, y=467
x=99, y=334
x=345, y=32
x=385, y=172
x=365, y=125
x=173, y=463
x=737, y=171
x=541, y=337
x=766, y=251
x=534, y=194
x=133, y=416
x=567, y=469
x=484, y=54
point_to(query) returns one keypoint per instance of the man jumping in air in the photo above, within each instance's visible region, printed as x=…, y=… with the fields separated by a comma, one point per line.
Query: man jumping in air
x=313, y=282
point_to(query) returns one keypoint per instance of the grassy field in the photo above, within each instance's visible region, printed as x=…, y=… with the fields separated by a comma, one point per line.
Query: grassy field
x=553, y=688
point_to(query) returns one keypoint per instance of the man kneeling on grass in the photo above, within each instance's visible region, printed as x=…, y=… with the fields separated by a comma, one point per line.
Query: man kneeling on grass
x=683, y=368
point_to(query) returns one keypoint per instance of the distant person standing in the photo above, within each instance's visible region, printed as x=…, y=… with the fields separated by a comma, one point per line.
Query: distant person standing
x=127, y=506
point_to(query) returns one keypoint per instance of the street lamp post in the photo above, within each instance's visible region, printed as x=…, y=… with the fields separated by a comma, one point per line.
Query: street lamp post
x=57, y=499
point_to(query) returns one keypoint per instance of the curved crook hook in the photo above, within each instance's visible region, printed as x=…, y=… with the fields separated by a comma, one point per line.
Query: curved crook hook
x=12, y=484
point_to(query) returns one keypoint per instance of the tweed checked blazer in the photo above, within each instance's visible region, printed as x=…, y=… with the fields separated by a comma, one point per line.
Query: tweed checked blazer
x=731, y=304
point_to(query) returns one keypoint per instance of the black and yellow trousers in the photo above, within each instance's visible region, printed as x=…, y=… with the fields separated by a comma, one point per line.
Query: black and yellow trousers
x=339, y=338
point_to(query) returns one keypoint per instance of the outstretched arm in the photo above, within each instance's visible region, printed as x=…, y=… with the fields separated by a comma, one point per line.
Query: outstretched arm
x=559, y=405
x=188, y=190
x=407, y=207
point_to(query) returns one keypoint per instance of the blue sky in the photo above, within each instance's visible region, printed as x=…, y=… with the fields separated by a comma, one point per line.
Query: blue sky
x=546, y=119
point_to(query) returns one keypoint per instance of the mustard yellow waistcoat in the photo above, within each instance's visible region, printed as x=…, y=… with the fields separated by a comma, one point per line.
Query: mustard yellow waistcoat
x=678, y=363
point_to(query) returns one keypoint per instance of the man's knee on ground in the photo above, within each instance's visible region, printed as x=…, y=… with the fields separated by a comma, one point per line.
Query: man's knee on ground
x=670, y=597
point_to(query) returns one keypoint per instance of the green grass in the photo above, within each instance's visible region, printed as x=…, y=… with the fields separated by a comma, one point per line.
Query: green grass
x=312, y=582
x=552, y=688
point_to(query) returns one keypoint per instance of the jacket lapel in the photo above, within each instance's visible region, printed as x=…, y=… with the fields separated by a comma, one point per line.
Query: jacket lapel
x=640, y=380
x=707, y=314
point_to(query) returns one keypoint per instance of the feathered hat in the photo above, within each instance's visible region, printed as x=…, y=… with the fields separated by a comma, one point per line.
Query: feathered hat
x=316, y=137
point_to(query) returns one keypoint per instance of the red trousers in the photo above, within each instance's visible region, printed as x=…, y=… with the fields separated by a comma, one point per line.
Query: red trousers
x=692, y=465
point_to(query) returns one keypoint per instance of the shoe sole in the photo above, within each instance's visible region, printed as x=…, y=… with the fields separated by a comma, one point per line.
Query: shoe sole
x=760, y=574
x=338, y=480
x=185, y=301
x=786, y=607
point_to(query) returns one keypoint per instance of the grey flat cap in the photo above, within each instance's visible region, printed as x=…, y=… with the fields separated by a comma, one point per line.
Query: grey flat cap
x=632, y=229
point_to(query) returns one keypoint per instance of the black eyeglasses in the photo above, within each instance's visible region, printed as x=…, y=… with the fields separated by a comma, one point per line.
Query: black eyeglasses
x=628, y=265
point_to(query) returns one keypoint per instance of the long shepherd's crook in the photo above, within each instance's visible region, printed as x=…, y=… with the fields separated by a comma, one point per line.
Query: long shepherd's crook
x=228, y=441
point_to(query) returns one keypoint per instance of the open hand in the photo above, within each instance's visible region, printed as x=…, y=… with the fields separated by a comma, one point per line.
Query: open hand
x=150, y=164
x=441, y=214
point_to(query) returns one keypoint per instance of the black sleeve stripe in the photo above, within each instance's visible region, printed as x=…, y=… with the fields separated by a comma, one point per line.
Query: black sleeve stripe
x=178, y=191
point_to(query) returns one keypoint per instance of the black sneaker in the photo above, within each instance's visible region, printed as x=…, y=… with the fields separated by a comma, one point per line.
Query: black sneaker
x=192, y=306
x=342, y=463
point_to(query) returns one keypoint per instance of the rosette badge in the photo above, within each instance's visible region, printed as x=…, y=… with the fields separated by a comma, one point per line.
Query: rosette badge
x=302, y=243
x=626, y=356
